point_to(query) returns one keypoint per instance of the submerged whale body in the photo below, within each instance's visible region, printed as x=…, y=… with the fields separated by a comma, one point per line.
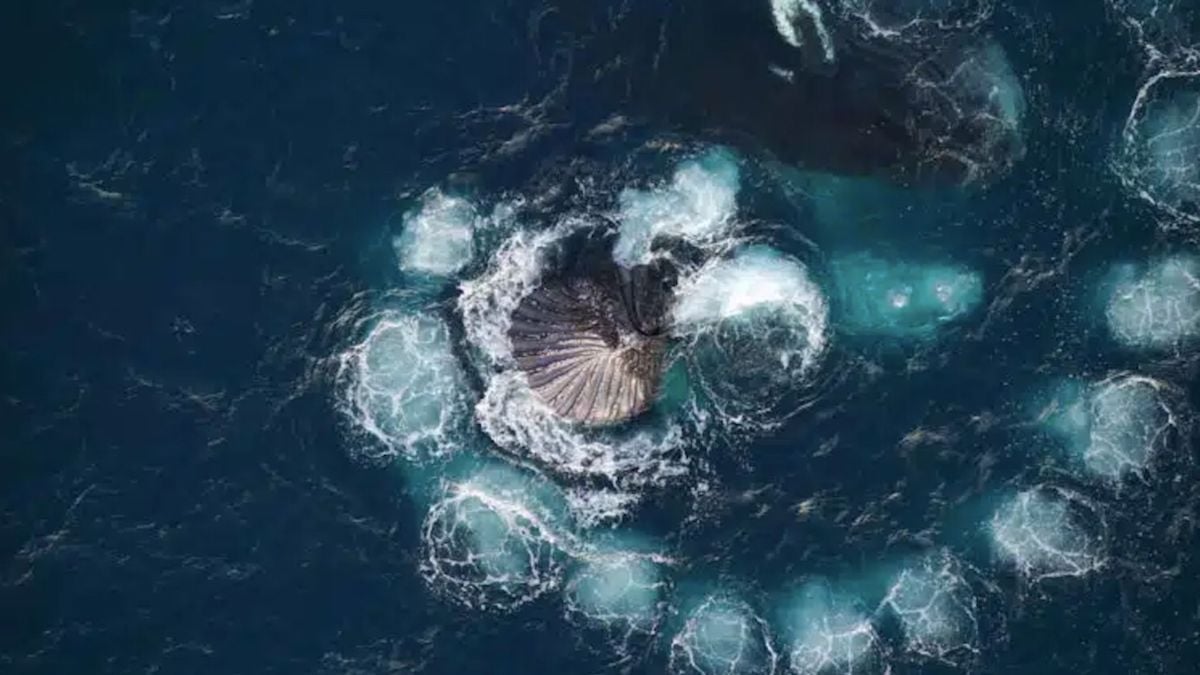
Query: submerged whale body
x=592, y=345
x=814, y=90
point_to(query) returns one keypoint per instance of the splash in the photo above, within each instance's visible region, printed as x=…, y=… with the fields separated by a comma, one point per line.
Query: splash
x=493, y=541
x=1049, y=532
x=486, y=303
x=437, y=238
x=698, y=206
x=801, y=20
x=937, y=610
x=516, y=420
x=1157, y=307
x=723, y=636
x=405, y=386
x=902, y=299
x=756, y=328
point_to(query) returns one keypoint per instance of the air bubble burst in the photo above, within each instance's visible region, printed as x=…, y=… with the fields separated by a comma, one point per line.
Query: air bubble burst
x=937, y=610
x=438, y=237
x=831, y=634
x=756, y=325
x=723, y=636
x=406, y=387
x=1130, y=422
x=1160, y=156
x=698, y=206
x=1049, y=532
x=900, y=298
x=1156, y=307
x=617, y=587
x=491, y=543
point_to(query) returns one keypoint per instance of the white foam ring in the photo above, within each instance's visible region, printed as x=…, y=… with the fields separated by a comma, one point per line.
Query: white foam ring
x=498, y=538
x=831, y=635
x=404, y=386
x=723, y=636
x=754, y=329
x=698, y=206
x=1160, y=154
x=937, y=610
x=619, y=593
x=1048, y=532
x=489, y=546
x=1131, y=422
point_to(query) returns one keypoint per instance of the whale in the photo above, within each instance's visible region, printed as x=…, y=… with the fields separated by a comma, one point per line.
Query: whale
x=593, y=343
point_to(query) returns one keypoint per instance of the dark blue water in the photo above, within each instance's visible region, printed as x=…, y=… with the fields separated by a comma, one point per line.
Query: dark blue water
x=194, y=197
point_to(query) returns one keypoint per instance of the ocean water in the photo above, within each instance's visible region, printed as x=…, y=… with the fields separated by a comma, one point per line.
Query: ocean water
x=930, y=396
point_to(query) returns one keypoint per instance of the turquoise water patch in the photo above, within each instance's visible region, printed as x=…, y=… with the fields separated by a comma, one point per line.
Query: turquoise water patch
x=897, y=298
x=1048, y=532
x=438, y=236
x=830, y=633
x=1156, y=305
x=1065, y=412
